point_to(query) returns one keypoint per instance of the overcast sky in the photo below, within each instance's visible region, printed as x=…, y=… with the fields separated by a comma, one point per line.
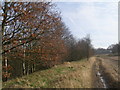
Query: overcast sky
x=99, y=19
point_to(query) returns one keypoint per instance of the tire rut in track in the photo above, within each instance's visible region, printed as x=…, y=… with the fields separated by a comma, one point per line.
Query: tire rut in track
x=102, y=79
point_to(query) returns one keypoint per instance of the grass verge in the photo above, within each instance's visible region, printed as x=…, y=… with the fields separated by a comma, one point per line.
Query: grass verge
x=76, y=74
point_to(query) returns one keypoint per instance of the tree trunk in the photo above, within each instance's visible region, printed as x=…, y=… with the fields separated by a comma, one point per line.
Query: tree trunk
x=27, y=68
x=0, y=58
x=23, y=67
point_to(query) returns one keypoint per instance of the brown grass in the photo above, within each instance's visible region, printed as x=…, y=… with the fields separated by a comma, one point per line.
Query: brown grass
x=75, y=74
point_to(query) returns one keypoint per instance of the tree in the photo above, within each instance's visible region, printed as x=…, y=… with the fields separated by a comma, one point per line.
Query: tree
x=35, y=38
x=85, y=48
x=114, y=48
x=23, y=23
x=78, y=49
x=88, y=45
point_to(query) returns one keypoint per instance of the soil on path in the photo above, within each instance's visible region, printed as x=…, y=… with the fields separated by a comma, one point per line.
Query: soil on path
x=105, y=72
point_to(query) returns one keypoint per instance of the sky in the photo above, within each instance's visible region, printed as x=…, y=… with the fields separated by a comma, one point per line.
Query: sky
x=99, y=19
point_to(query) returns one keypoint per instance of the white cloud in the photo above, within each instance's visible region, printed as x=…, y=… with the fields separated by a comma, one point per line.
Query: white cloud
x=98, y=19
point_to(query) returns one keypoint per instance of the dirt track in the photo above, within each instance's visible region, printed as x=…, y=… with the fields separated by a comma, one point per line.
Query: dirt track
x=105, y=72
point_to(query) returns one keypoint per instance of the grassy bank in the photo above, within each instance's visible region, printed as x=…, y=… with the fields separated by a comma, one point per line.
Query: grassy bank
x=75, y=74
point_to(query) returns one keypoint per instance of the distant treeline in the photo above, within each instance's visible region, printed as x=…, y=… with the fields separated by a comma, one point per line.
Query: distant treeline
x=36, y=38
x=113, y=49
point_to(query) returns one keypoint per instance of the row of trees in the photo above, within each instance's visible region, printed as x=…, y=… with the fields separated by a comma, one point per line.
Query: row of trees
x=34, y=37
x=115, y=48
